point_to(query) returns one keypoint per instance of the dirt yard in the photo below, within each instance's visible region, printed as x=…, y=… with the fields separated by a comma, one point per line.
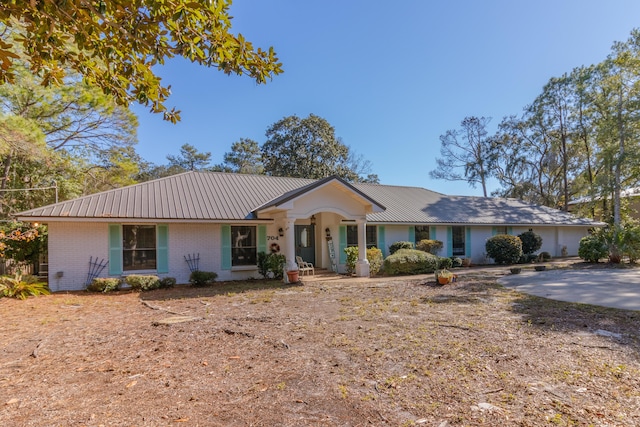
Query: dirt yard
x=347, y=352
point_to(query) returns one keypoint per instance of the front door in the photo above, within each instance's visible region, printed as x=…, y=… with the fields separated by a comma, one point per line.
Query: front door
x=306, y=242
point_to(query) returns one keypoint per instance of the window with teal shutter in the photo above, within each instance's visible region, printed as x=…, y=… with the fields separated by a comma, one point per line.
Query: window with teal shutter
x=115, y=249
x=510, y=230
x=162, y=231
x=262, y=238
x=225, y=250
x=342, y=244
x=381, y=242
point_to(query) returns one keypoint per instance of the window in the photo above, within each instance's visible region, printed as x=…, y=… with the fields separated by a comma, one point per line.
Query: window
x=422, y=233
x=244, y=248
x=458, y=240
x=372, y=236
x=138, y=247
x=501, y=230
x=352, y=235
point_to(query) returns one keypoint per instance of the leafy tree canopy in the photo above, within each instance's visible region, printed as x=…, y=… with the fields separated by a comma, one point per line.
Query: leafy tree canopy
x=114, y=44
x=309, y=148
x=245, y=157
x=189, y=159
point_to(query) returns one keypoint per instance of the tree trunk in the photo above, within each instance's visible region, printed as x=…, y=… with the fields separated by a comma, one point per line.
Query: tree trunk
x=617, y=172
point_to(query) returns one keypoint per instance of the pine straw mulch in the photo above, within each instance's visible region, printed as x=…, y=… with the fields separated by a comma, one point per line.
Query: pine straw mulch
x=345, y=352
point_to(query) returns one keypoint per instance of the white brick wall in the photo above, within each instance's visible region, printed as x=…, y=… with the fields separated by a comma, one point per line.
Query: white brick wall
x=70, y=246
x=72, y=243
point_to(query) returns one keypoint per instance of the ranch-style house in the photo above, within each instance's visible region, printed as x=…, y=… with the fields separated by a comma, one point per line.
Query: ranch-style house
x=226, y=219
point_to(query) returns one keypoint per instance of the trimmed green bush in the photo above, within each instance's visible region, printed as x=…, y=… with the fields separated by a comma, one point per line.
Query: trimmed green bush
x=527, y=259
x=271, y=265
x=142, y=282
x=431, y=246
x=201, y=279
x=544, y=256
x=104, y=284
x=446, y=263
x=410, y=261
x=531, y=242
x=167, y=282
x=276, y=264
x=504, y=248
x=352, y=258
x=592, y=249
x=399, y=245
x=456, y=262
x=374, y=256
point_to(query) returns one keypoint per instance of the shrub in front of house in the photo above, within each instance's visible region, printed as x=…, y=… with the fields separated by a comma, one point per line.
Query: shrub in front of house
x=201, y=279
x=104, y=284
x=531, y=242
x=527, y=259
x=544, y=256
x=276, y=263
x=22, y=286
x=446, y=263
x=431, y=246
x=167, y=282
x=592, y=249
x=504, y=248
x=399, y=245
x=410, y=261
x=271, y=265
x=374, y=256
x=456, y=262
x=352, y=258
x=142, y=282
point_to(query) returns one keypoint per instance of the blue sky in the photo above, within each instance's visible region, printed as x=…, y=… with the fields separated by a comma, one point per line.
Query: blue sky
x=391, y=77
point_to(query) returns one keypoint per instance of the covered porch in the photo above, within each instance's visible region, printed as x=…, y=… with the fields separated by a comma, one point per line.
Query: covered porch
x=312, y=222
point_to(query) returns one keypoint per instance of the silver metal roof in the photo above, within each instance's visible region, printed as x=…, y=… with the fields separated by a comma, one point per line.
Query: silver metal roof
x=217, y=196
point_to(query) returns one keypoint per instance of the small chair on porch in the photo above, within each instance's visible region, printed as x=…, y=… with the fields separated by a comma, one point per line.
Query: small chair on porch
x=304, y=267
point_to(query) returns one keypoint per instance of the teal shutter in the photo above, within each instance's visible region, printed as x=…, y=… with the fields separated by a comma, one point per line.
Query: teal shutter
x=412, y=234
x=262, y=238
x=162, y=248
x=115, y=249
x=449, y=242
x=510, y=230
x=342, y=244
x=432, y=233
x=225, y=247
x=467, y=242
x=494, y=231
x=381, y=243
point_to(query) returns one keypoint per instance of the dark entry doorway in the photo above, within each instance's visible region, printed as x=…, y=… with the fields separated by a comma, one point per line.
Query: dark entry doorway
x=306, y=242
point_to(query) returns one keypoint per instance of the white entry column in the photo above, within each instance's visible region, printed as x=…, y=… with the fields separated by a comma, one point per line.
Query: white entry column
x=362, y=266
x=290, y=240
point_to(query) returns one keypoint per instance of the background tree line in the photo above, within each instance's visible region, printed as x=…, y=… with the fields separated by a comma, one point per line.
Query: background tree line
x=62, y=142
x=579, y=138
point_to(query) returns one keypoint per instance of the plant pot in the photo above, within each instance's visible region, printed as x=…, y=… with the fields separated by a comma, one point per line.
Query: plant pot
x=540, y=267
x=292, y=275
x=516, y=270
x=444, y=280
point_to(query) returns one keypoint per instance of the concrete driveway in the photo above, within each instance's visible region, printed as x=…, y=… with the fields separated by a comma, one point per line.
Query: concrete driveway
x=605, y=287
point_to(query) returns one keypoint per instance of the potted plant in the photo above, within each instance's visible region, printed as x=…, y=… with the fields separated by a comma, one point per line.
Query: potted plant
x=540, y=267
x=445, y=276
x=292, y=275
x=515, y=270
